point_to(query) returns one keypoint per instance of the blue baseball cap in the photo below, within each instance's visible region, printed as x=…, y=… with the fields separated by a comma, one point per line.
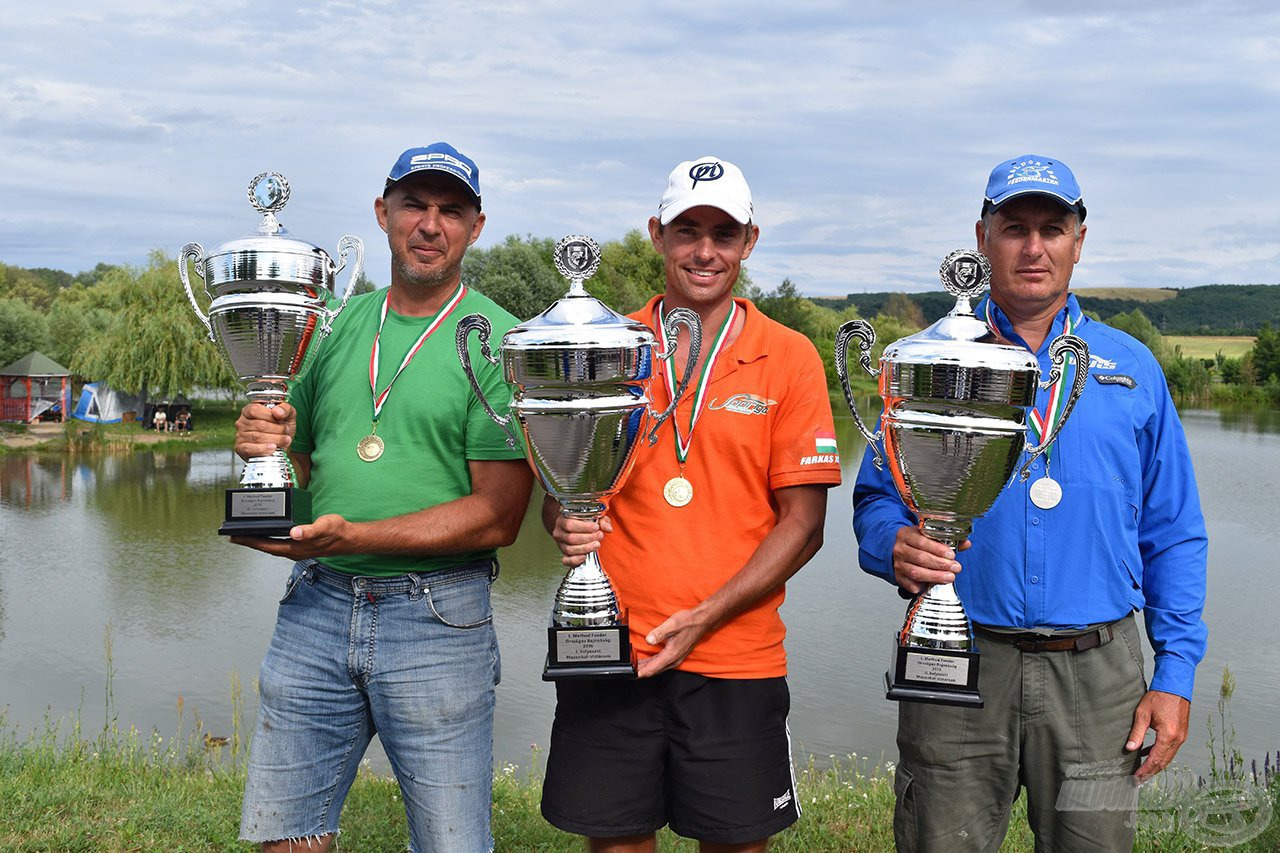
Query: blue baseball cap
x=1032, y=173
x=439, y=157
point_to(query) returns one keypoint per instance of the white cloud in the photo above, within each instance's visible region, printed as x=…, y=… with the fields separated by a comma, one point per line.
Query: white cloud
x=867, y=131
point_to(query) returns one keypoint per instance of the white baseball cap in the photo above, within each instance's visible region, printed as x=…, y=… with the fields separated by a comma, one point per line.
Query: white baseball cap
x=706, y=181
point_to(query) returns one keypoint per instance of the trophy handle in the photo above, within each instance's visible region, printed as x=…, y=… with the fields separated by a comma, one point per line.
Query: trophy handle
x=865, y=334
x=482, y=324
x=689, y=319
x=194, y=252
x=345, y=245
x=1061, y=347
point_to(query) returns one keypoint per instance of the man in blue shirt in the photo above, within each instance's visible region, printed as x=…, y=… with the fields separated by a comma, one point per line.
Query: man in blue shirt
x=1052, y=584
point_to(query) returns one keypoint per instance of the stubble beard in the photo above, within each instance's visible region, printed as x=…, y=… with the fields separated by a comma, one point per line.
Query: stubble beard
x=427, y=279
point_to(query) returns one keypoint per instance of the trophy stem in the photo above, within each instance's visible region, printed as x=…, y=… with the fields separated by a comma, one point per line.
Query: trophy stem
x=275, y=470
x=586, y=597
x=951, y=532
x=936, y=620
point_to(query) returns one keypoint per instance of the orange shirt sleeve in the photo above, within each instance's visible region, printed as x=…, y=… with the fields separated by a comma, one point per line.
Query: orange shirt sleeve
x=803, y=444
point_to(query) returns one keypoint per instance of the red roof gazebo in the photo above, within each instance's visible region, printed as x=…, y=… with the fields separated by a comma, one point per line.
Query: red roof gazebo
x=35, y=386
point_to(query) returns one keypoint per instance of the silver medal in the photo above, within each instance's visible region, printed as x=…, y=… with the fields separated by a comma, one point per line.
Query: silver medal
x=1046, y=493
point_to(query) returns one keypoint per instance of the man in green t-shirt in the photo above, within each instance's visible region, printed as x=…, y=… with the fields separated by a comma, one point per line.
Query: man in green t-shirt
x=385, y=626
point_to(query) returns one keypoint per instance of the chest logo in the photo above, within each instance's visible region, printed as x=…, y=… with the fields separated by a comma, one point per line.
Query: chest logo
x=1116, y=379
x=744, y=404
x=1097, y=362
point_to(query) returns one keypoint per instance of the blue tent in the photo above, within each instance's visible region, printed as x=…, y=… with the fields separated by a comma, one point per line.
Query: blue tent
x=101, y=404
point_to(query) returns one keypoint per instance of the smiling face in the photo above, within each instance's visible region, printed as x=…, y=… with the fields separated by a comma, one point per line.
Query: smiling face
x=1033, y=244
x=430, y=220
x=702, y=253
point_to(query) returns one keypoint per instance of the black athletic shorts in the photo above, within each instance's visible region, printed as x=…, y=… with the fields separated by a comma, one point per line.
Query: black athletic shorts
x=709, y=756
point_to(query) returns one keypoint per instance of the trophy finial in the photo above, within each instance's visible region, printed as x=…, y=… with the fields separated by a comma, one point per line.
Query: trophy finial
x=268, y=193
x=577, y=258
x=965, y=273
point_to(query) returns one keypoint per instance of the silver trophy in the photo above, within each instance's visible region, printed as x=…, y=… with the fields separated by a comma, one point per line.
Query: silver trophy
x=270, y=302
x=581, y=373
x=954, y=428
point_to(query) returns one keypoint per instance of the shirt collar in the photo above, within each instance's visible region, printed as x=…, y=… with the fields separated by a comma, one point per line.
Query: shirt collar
x=1005, y=327
x=747, y=347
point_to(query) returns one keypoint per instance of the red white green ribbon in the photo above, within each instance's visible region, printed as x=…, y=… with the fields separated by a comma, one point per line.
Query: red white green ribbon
x=380, y=399
x=704, y=378
x=1044, y=424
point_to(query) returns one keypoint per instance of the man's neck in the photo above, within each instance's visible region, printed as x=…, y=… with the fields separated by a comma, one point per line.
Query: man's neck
x=711, y=317
x=1033, y=325
x=418, y=300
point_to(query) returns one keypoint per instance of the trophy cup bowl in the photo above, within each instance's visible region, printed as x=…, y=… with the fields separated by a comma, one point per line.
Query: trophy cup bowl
x=269, y=308
x=954, y=428
x=581, y=375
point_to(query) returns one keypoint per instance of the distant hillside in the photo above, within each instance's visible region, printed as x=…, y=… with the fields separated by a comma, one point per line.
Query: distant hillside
x=1137, y=294
x=1213, y=309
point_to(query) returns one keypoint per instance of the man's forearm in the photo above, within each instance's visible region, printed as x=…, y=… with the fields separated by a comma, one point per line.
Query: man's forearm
x=468, y=523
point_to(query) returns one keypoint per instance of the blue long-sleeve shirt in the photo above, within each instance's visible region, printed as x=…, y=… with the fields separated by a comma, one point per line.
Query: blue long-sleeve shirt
x=1128, y=534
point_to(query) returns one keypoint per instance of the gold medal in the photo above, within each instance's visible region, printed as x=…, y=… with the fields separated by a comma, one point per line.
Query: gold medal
x=678, y=491
x=370, y=448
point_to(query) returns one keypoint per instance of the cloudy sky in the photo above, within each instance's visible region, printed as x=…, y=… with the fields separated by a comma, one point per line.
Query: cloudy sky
x=866, y=129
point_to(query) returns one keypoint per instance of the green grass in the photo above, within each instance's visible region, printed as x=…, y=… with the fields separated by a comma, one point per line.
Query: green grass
x=123, y=791
x=214, y=428
x=1208, y=346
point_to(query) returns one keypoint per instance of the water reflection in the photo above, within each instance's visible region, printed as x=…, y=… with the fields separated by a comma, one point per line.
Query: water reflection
x=33, y=483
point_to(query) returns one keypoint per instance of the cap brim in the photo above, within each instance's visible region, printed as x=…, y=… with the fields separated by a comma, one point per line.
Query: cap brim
x=739, y=213
x=1076, y=206
x=435, y=167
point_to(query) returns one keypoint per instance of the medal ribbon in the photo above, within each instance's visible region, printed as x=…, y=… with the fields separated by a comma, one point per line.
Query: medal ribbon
x=380, y=399
x=1043, y=424
x=704, y=378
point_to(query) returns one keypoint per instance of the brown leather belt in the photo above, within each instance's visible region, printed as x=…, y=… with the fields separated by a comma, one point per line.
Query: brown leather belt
x=1038, y=643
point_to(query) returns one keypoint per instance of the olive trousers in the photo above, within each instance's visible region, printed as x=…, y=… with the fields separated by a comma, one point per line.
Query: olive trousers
x=1054, y=723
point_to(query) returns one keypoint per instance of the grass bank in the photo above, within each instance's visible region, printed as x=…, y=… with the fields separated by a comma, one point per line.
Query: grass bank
x=125, y=791
x=214, y=428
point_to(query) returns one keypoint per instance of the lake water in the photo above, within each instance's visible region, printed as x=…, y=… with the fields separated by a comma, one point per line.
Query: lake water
x=129, y=541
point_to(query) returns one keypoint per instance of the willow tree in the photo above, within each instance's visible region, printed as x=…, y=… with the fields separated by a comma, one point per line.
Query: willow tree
x=150, y=340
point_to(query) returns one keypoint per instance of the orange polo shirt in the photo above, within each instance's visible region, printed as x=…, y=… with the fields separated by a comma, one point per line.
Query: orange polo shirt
x=766, y=424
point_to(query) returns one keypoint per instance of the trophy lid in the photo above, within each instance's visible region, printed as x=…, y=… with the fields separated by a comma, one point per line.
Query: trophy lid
x=268, y=257
x=577, y=321
x=961, y=338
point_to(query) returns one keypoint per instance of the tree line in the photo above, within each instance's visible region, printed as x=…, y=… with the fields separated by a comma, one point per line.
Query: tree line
x=1212, y=309
x=132, y=327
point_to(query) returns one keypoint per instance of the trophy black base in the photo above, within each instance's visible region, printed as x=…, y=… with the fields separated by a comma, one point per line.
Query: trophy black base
x=936, y=676
x=265, y=512
x=601, y=651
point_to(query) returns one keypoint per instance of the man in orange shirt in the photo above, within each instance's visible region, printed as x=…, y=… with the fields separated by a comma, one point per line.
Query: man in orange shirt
x=699, y=543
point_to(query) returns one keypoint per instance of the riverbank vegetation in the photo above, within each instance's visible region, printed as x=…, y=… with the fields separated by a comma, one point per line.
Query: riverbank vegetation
x=132, y=327
x=122, y=790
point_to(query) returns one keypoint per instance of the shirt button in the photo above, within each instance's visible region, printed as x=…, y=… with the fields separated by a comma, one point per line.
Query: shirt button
x=1035, y=466
x=1035, y=579
x=1035, y=521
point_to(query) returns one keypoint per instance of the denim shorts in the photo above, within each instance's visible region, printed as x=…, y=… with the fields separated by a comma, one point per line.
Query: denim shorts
x=413, y=659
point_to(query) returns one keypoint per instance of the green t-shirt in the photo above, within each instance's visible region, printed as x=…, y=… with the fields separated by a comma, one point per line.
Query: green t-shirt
x=431, y=423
